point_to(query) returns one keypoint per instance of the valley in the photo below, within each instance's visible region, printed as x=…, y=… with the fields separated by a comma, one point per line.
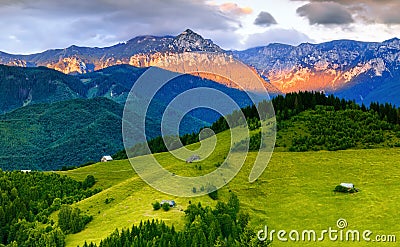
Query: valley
x=337, y=121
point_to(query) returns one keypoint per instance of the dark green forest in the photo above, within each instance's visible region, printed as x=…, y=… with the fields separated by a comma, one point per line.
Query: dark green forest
x=21, y=86
x=327, y=129
x=50, y=136
x=28, y=199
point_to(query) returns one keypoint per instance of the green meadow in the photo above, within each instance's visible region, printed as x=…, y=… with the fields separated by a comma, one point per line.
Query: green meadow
x=295, y=192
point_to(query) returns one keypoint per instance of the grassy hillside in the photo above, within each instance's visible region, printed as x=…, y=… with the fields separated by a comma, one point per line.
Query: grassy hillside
x=294, y=192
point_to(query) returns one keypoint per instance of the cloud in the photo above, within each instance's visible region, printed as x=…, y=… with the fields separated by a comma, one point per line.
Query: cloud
x=370, y=11
x=326, y=13
x=277, y=35
x=44, y=24
x=233, y=8
x=265, y=19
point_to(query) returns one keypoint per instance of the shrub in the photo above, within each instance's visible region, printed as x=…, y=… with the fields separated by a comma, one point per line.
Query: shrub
x=165, y=206
x=343, y=189
x=213, y=195
x=156, y=205
x=108, y=200
x=88, y=182
x=212, y=192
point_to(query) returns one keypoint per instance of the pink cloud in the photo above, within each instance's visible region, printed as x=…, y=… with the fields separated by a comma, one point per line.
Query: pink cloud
x=235, y=9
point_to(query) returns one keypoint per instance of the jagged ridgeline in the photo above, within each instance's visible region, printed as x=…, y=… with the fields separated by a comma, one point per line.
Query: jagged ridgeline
x=364, y=71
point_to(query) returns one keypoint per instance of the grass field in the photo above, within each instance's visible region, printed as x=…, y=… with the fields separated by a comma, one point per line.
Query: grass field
x=295, y=192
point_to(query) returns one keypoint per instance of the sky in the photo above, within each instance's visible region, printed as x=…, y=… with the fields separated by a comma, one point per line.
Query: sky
x=31, y=26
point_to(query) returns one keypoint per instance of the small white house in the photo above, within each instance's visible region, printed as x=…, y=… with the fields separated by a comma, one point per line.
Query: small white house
x=347, y=185
x=106, y=158
x=192, y=158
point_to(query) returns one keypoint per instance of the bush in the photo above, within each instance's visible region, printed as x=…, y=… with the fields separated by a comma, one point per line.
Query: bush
x=343, y=189
x=108, y=200
x=213, y=195
x=165, y=206
x=156, y=205
x=212, y=192
x=88, y=182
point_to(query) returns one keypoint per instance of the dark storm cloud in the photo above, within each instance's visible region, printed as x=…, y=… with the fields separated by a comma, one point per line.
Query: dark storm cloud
x=325, y=13
x=265, y=19
x=42, y=24
x=371, y=11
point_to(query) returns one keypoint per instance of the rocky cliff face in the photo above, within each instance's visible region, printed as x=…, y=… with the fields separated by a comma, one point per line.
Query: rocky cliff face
x=172, y=53
x=330, y=66
x=219, y=67
x=141, y=51
x=69, y=65
x=189, y=41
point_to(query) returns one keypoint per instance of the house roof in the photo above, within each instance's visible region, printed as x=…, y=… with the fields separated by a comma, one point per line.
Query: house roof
x=347, y=185
x=193, y=158
x=107, y=157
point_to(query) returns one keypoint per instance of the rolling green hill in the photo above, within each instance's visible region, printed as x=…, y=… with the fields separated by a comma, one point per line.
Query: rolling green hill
x=295, y=192
x=53, y=120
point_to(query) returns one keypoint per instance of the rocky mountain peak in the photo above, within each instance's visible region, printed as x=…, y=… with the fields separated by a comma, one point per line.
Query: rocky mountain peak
x=190, y=41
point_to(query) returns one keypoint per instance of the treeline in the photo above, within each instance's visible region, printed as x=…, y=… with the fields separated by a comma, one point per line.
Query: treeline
x=224, y=225
x=294, y=103
x=326, y=129
x=158, y=145
x=28, y=199
x=286, y=107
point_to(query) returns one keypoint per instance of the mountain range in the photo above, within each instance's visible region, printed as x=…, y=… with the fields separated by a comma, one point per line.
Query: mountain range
x=363, y=71
x=80, y=60
x=42, y=93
